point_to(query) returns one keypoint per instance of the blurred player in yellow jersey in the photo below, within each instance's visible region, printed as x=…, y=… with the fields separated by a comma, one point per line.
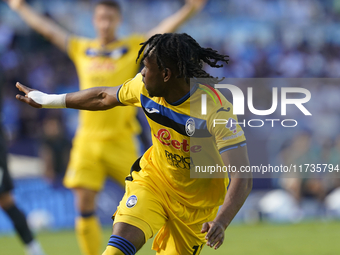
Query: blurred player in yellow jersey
x=161, y=198
x=102, y=146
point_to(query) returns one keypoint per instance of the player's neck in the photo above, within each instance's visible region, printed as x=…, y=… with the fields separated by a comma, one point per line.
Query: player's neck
x=177, y=92
x=105, y=41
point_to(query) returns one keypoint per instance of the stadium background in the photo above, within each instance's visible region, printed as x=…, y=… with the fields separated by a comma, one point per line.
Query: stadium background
x=264, y=38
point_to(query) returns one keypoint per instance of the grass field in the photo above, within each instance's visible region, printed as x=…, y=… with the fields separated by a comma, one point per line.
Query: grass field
x=312, y=238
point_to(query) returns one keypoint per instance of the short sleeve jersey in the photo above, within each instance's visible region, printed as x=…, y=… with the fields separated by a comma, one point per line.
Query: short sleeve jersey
x=108, y=66
x=183, y=138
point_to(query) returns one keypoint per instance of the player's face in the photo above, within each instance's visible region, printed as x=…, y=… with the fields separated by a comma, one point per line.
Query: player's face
x=106, y=21
x=153, y=78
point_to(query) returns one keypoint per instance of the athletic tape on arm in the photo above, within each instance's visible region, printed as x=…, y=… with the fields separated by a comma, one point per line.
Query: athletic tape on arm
x=48, y=101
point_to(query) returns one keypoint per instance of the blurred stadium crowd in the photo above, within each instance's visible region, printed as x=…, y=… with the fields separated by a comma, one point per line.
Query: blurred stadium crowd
x=264, y=39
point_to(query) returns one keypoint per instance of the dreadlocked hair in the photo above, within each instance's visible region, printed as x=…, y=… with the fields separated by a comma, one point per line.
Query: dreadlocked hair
x=181, y=50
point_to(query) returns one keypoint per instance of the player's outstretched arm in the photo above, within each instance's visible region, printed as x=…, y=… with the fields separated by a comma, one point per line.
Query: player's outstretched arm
x=238, y=191
x=43, y=25
x=94, y=99
x=171, y=24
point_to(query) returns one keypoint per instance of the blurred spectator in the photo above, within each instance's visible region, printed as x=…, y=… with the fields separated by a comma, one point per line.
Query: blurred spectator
x=54, y=150
x=282, y=38
x=302, y=151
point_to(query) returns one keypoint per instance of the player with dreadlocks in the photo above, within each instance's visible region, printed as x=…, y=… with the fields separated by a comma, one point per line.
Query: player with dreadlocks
x=104, y=61
x=160, y=196
x=184, y=50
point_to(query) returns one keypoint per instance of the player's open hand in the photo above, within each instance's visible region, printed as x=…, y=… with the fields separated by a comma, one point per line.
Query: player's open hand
x=15, y=4
x=25, y=98
x=215, y=233
x=197, y=5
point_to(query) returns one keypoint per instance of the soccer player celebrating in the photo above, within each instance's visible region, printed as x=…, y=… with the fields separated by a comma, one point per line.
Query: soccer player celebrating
x=7, y=202
x=102, y=147
x=160, y=196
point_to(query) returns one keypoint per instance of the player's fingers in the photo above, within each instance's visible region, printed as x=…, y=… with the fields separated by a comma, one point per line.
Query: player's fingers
x=28, y=101
x=205, y=227
x=218, y=245
x=22, y=98
x=23, y=88
x=210, y=233
x=216, y=238
x=32, y=103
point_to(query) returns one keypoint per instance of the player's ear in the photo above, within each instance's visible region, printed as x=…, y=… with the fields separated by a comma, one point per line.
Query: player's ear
x=166, y=74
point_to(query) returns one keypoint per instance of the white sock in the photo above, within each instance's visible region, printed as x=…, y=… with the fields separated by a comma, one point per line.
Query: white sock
x=34, y=248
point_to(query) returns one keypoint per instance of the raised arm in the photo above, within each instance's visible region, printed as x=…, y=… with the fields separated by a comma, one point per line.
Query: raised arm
x=43, y=25
x=170, y=24
x=94, y=99
x=239, y=189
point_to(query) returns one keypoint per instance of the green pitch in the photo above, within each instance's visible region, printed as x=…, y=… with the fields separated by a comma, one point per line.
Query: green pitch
x=320, y=238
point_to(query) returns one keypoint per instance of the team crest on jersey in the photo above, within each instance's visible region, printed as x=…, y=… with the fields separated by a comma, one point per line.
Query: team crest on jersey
x=190, y=127
x=132, y=201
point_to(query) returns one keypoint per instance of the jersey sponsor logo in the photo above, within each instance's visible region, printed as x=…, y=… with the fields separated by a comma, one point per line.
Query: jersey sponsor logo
x=231, y=125
x=152, y=110
x=101, y=65
x=164, y=137
x=240, y=133
x=178, y=161
x=131, y=201
x=190, y=127
x=222, y=109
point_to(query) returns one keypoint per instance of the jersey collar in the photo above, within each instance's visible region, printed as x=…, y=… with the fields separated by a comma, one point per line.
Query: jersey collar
x=186, y=96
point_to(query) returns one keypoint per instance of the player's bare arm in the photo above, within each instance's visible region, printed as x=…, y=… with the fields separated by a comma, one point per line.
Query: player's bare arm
x=172, y=23
x=43, y=25
x=94, y=99
x=238, y=191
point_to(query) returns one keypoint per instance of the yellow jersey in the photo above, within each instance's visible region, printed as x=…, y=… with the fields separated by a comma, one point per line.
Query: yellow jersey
x=107, y=66
x=177, y=147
